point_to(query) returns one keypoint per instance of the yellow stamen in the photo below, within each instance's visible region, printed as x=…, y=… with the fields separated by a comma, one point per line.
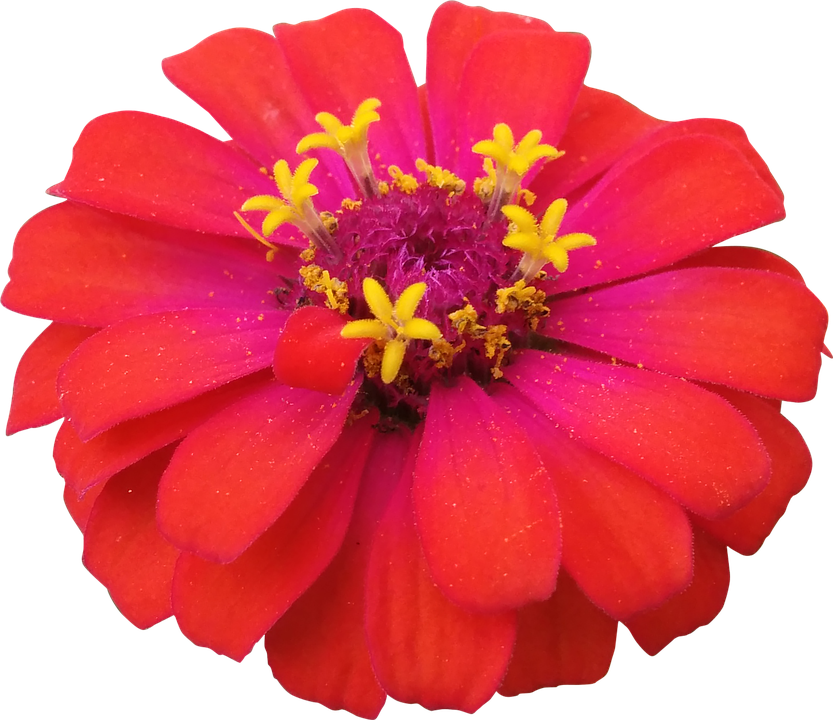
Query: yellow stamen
x=497, y=345
x=524, y=298
x=394, y=324
x=295, y=206
x=406, y=183
x=540, y=243
x=349, y=141
x=271, y=247
x=319, y=281
x=512, y=161
x=440, y=178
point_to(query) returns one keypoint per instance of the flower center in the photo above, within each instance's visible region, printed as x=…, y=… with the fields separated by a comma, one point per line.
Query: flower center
x=448, y=254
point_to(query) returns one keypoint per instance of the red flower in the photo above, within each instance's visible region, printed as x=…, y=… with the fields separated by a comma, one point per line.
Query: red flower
x=432, y=531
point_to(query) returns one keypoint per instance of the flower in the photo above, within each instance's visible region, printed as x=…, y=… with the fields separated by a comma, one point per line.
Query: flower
x=199, y=255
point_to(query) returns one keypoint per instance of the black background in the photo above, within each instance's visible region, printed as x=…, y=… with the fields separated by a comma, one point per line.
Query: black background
x=66, y=637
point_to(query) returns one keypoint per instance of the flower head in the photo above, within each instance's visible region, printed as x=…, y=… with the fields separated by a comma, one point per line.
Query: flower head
x=462, y=418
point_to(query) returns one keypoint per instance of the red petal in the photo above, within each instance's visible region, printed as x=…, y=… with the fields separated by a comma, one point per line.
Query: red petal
x=124, y=550
x=241, y=77
x=312, y=354
x=674, y=199
x=424, y=648
x=158, y=169
x=696, y=606
x=563, y=641
x=745, y=530
x=485, y=507
x=455, y=31
x=318, y=650
x=737, y=256
x=69, y=257
x=80, y=507
x=536, y=86
x=85, y=465
x=689, y=442
x=35, y=394
x=601, y=129
x=752, y=330
x=151, y=362
x=626, y=543
x=228, y=608
x=232, y=477
x=362, y=57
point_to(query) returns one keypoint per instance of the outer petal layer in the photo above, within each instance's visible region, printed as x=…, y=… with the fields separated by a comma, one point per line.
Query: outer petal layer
x=228, y=608
x=318, y=649
x=687, y=441
x=424, y=648
x=124, y=550
x=485, y=506
x=756, y=331
x=149, y=363
x=35, y=395
x=626, y=543
x=233, y=477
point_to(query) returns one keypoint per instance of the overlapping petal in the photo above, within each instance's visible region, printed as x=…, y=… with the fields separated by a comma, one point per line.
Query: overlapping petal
x=232, y=477
x=757, y=331
x=149, y=363
x=687, y=441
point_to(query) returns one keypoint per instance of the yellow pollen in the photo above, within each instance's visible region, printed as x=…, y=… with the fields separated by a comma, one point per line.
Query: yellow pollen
x=393, y=325
x=439, y=178
x=349, y=141
x=271, y=247
x=524, y=298
x=497, y=345
x=512, y=161
x=406, y=183
x=319, y=281
x=484, y=187
x=294, y=206
x=465, y=322
x=540, y=243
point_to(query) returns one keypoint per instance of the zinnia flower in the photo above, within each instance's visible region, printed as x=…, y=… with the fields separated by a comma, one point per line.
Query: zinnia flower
x=487, y=390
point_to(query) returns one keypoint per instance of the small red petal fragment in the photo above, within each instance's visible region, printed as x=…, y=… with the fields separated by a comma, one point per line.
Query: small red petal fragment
x=745, y=530
x=318, y=649
x=485, y=506
x=35, y=395
x=228, y=608
x=70, y=256
x=625, y=542
x=157, y=169
x=124, y=550
x=756, y=331
x=80, y=507
x=425, y=649
x=698, y=605
x=565, y=640
x=684, y=195
x=689, y=442
x=86, y=464
x=151, y=362
x=232, y=477
x=312, y=354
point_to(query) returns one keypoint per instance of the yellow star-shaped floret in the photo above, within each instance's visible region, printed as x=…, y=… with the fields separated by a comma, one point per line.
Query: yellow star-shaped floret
x=392, y=324
x=295, y=189
x=540, y=242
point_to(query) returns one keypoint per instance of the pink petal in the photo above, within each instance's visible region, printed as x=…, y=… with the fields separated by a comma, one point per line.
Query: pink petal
x=124, y=550
x=626, y=543
x=241, y=77
x=348, y=57
x=486, y=511
x=673, y=199
x=687, y=441
x=698, y=605
x=745, y=530
x=757, y=331
x=547, y=66
x=158, y=169
x=455, y=31
x=602, y=128
x=228, y=608
x=562, y=641
x=425, y=649
x=318, y=650
x=85, y=465
x=35, y=395
x=310, y=352
x=151, y=362
x=232, y=477
x=69, y=256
